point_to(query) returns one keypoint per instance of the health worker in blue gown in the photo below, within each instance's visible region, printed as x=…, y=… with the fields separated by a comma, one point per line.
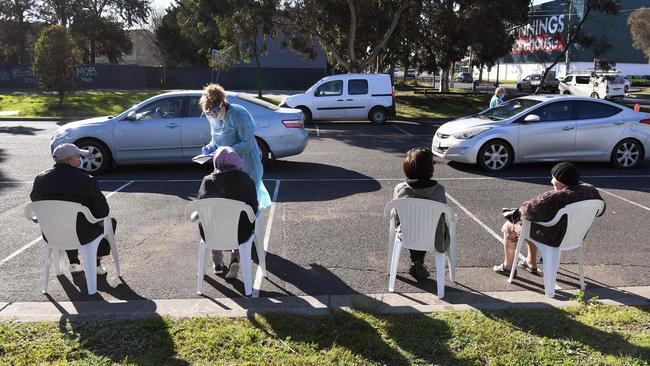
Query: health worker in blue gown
x=232, y=125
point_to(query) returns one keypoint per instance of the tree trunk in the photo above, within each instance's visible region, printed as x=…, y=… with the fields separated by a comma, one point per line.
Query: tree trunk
x=22, y=56
x=93, y=45
x=406, y=68
x=61, y=95
x=257, y=63
x=444, y=80
x=480, y=74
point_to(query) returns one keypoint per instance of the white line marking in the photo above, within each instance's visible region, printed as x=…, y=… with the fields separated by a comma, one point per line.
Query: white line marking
x=31, y=243
x=402, y=130
x=257, y=283
x=317, y=131
x=487, y=228
x=624, y=199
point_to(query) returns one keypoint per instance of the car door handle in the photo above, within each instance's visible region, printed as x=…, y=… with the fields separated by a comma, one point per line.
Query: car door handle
x=619, y=123
x=173, y=125
x=349, y=100
x=568, y=128
x=339, y=100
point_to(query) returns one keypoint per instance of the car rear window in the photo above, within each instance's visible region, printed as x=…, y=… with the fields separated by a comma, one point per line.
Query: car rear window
x=259, y=102
x=592, y=110
x=509, y=108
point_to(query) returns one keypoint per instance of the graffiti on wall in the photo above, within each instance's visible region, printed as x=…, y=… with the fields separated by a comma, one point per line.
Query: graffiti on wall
x=86, y=74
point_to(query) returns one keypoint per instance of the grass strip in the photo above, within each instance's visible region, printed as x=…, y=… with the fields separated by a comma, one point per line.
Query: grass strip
x=590, y=334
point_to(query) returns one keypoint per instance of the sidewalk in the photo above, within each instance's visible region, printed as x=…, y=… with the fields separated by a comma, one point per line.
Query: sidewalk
x=387, y=303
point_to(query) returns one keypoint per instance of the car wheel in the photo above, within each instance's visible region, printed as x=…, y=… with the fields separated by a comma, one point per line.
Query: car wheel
x=99, y=159
x=378, y=115
x=495, y=156
x=566, y=92
x=627, y=154
x=519, y=88
x=307, y=113
x=626, y=88
x=264, y=150
x=594, y=95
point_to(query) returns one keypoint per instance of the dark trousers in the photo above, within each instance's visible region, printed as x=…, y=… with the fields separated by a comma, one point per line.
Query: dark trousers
x=103, y=249
x=417, y=256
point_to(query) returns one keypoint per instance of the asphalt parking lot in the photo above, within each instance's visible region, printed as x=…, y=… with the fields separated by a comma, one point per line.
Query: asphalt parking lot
x=326, y=233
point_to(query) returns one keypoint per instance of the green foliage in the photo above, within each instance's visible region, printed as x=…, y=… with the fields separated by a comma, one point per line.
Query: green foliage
x=56, y=58
x=112, y=39
x=639, y=22
x=583, y=335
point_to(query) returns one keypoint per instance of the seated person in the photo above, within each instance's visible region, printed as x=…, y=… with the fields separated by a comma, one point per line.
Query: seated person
x=566, y=190
x=418, y=168
x=67, y=181
x=229, y=181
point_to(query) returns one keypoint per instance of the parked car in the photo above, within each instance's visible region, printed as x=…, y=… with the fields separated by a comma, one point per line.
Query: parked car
x=170, y=128
x=600, y=86
x=532, y=82
x=546, y=128
x=464, y=77
x=346, y=97
x=628, y=83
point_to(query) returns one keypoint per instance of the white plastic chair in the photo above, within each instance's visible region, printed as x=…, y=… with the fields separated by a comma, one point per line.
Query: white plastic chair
x=219, y=218
x=58, y=222
x=419, y=221
x=580, y=216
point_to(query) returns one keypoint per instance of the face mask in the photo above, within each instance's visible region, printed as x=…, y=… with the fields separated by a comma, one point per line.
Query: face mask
x=82, y=161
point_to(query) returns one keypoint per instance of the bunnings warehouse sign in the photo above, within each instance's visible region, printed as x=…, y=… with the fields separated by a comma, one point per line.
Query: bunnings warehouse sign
x=540, y=35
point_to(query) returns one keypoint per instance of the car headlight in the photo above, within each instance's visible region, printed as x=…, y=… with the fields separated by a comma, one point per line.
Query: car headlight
x=61, y=134
x=468, y=134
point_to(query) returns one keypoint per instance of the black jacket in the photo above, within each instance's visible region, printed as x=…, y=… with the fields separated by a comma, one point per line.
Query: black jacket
x=234, y=185
x=66, y=183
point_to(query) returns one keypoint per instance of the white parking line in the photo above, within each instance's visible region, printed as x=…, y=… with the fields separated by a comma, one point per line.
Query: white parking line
x=487, y=228
x=257, y=283
x=402, y=130
x=624, y=199
x=317, y=131
x=31, y=243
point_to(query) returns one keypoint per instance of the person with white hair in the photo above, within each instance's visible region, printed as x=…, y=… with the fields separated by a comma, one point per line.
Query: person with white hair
x=67, y=181
x=497, y=98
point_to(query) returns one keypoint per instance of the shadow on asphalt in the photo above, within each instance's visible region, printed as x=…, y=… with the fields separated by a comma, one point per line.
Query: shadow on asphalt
x=19, y=130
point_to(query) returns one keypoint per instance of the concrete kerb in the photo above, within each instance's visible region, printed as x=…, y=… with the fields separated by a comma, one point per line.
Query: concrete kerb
x=386, y=303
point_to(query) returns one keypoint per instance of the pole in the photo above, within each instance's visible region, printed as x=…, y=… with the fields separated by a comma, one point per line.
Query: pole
x=567, y=58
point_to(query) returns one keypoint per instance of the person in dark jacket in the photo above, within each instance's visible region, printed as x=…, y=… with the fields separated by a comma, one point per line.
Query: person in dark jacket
x=229, y=181
x=567, y=189
x=66, y=181
x=418, y=168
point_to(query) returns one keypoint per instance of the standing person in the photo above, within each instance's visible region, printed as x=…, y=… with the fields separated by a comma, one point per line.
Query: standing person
x=229, y=181
x=567, y=189
x=418, y=169
x=66, y=181
x=497, y=98
x=232, y=125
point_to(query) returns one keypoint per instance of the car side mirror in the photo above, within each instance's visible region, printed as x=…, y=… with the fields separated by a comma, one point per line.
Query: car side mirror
x=316, y=93
x=532, y=118
x=131, y=116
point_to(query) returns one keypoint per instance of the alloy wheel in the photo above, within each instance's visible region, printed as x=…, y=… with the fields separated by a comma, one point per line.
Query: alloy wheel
x=627, y=154
x=496, y=157
x=94, y=160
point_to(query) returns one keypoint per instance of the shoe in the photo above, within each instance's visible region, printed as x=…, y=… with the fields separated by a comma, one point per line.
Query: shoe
x=101, y=271
x=233, y=270
x=76, y=268
x=525, y=266
x=419, y=271
x=218, y=269
x=502, y=269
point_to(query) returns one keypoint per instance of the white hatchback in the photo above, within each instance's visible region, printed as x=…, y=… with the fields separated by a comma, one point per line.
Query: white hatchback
x=346, y=97
x=546, y=128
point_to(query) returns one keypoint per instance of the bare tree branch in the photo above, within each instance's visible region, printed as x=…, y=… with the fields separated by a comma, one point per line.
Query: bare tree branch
x=363, y=64
x=352, y=33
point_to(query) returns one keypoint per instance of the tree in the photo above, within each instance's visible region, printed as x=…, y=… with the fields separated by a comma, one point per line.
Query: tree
x=112, y=39
x=352, y=32
x=639, y=22
x=15, y=13
x=56, y=58
x=576, y=36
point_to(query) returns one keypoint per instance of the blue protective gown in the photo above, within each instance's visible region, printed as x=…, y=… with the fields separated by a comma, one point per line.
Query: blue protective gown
x=238, y=132
x=495, y=101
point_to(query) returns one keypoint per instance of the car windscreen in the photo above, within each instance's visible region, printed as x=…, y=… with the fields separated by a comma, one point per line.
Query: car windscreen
x=509, y=109
x=259, y=102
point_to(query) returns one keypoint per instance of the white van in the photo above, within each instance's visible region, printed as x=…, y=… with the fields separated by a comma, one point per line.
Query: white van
x=601, y=86
x=347, y=97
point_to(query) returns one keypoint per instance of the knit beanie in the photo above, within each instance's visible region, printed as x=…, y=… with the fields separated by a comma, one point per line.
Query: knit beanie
x=566, y=173
x=225, y=158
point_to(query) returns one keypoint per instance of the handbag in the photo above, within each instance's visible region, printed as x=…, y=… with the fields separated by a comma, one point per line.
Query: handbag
x=511, y=214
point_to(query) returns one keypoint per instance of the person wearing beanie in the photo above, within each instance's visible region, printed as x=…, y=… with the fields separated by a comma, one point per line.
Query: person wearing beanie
x=229, y=181
x=418, y=169
x=567, y=189
x=67, y=181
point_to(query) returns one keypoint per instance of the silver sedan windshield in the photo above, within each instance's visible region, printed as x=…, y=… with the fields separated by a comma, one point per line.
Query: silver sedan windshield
x=509, y=109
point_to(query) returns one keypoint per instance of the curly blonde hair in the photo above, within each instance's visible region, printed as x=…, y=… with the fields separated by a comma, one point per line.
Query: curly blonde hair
x=213, y=95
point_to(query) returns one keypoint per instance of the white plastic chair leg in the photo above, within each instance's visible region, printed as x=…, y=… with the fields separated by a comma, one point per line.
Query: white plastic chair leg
x=261, y=254
x=46, y=268
x=440, y=274
x=452, y=255
x=110, y=236
x=515, y=258
x=391, y=243
x=397, y=247
x=551, y=265
x=59, y=261
x=89, y=255
x=200, y=272
x=245, y=261
x=581, y=266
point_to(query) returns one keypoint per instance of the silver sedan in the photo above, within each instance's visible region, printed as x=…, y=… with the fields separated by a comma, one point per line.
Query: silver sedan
x=169, y=128
x=546, y=128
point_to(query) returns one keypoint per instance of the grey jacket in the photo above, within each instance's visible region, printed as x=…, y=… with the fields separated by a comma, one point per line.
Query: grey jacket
x=430, y=190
